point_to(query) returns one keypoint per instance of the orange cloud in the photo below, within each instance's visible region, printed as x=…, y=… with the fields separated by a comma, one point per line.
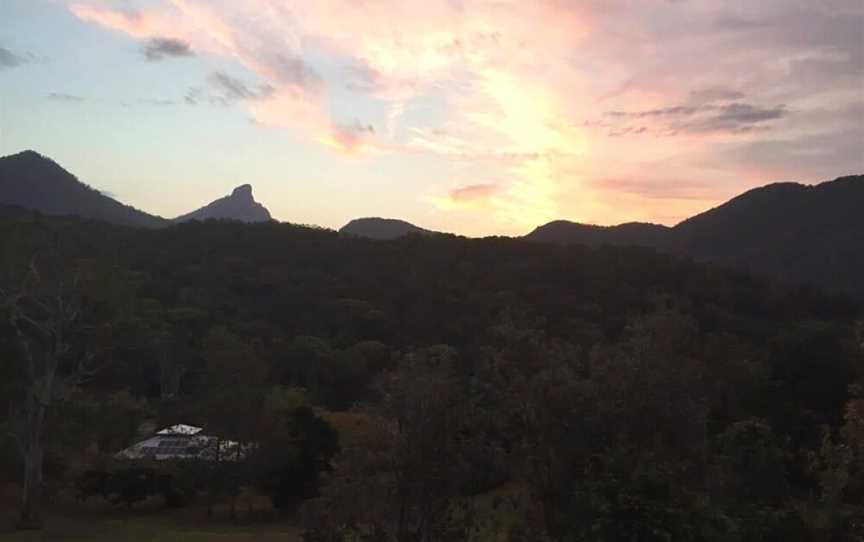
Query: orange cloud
x=136, y=24
x=474, y=192
x=520, y=92
x=505, y=89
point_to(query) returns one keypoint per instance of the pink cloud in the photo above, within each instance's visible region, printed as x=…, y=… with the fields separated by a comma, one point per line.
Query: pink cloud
x=474, y=192
x=666, y=189
x=136, y=24
x=524, y=89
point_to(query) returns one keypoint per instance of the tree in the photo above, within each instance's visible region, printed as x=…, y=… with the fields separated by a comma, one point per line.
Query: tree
x=294, y=455
x=234, y=401
x=838, y=467
x=404, y=483
x=234, y=385
x=57, y=337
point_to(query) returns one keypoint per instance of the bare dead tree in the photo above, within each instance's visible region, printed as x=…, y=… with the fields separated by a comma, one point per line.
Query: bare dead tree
x=45, y=312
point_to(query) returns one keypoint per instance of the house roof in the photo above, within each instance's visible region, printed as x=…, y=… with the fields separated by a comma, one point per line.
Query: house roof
x=180, y=429
x=183, y=441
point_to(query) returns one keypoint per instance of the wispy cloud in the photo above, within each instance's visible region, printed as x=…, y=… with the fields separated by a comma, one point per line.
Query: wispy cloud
x=738, y=117
x=715, y=94
x=9, y=60
x=141, y=25
x=730, y=117
x=224, y=89
x=663, y=188
x=476, y=85
x=229, y=89
x=194, y=95
x=161, y=48
x=157, y=101
x=63, y=97
x=295, y=73
x=474, y=192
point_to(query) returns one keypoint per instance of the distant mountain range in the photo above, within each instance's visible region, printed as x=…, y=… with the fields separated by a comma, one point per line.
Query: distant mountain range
x=800, y=233
x=796, y=232
x=631, y=233
x=32, y=181
x=381, y=228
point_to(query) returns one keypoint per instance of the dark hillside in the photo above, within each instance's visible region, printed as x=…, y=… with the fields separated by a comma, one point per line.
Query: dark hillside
x=381, y=228
x=32, y=181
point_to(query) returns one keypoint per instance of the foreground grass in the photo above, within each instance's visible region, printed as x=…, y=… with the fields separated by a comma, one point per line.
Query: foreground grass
x=138, y=529
x=79, y=524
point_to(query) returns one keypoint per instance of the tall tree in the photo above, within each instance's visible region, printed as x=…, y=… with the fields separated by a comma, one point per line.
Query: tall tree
x=403, y=484
x=234, y=400
x=56, y=339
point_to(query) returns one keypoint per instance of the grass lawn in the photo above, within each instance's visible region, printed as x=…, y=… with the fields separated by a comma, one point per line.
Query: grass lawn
x=74, y=523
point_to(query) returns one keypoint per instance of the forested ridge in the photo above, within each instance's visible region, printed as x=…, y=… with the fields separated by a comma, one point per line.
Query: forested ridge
x=442, y=388
x=801, y=234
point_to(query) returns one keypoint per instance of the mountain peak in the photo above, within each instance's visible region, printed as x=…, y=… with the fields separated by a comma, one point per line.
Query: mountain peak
x=239, y=205
x=33, y=181
x=381, y=228
x=629, y=233
x=244, y=191
x=29, y=153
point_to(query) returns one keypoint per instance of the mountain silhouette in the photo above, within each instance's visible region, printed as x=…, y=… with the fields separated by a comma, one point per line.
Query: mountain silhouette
x=239, y=205
x=381, y=228
x=801, y=233
x=631, y=233
x=32, y=181
x=805, y=234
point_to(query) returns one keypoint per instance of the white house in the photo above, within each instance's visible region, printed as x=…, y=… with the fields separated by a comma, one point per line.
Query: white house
x=185, y=442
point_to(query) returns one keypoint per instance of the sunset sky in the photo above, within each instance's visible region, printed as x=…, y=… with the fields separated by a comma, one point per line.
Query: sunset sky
x=477, y=117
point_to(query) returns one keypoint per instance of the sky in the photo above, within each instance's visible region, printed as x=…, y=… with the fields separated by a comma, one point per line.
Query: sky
x=475, y=117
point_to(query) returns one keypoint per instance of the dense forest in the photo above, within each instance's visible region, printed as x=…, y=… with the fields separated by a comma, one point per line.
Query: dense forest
x=433, y=388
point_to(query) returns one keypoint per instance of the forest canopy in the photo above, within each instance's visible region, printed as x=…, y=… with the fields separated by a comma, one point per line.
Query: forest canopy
x=481, y=389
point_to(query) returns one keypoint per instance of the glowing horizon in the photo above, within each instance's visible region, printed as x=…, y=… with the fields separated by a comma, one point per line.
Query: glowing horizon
x=477, y=117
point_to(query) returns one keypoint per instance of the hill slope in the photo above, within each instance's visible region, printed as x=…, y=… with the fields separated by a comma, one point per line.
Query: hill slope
x=381, y=228
x=802, y=233
x=239, y=205
x=32, y=181
x=632, y=233
x=805, y=234
x=808, y=234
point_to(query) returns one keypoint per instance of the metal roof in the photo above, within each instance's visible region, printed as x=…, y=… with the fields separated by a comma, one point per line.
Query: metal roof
x=183, y=441
x=180, y=429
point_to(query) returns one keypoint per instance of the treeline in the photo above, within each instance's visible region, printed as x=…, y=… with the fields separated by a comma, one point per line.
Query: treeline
x=489, y=389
